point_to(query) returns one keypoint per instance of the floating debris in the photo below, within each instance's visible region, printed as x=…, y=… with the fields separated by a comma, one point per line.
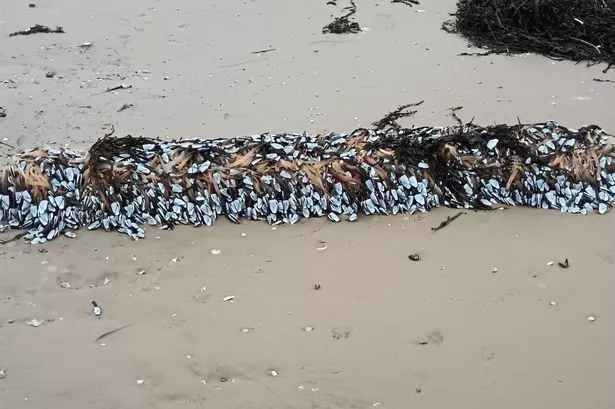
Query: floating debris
x=38, y=29
x=2, y=112
x=565, y=264
x=322, y=247
x=122, y=184
x=560, y=29
x=552, y=303
x=494, y=270
x=2, y=374
x=550, y=263
x=603, y=80
x=216, y=252
x=272, y=372
x=591, y=318
x=317, y=287
x=343, y=24
x=230, y=298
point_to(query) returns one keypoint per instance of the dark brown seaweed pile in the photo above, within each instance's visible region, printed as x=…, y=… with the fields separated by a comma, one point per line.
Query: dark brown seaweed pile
x=577, y=30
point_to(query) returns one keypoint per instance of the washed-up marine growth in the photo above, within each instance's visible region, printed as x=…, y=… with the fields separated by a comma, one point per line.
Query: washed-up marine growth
x=125, y=184
x=577, y=30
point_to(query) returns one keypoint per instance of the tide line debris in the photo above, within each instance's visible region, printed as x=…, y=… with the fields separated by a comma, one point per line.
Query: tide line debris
x=343, y=24
x=406, y=2
x=38, y=29
x=113, y=331
x=577, y=30
x=124, y=183
x=446, y=222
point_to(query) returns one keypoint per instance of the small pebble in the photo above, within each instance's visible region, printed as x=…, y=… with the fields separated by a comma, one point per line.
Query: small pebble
x=591, y=318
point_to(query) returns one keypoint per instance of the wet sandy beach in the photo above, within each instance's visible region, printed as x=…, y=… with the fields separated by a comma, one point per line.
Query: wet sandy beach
x=381, y=330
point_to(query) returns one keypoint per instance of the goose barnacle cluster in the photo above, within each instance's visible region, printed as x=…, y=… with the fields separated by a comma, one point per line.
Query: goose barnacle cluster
x=124, y=184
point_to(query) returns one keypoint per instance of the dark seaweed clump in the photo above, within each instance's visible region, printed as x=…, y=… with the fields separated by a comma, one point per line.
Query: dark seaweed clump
x=577, y=30
x=344, y=24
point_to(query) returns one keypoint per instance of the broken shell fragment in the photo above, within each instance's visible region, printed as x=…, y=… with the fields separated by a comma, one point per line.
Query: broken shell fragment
x=96, y=310
x=34, y=323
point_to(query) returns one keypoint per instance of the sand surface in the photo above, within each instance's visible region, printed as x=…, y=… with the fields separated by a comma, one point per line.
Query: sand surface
x=382, y=331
